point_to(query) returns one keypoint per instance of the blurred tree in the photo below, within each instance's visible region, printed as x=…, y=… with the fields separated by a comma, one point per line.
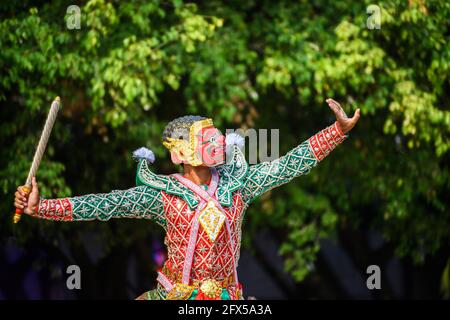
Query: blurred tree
x=135, y=65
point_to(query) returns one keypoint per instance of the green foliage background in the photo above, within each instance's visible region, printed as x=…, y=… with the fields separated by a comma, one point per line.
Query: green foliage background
x=135, y=65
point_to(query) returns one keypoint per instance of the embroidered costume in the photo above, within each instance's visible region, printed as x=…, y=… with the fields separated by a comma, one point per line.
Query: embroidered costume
x=202, y=224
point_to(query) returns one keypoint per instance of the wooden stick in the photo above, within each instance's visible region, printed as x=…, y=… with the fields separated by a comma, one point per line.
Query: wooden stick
x=39, y=151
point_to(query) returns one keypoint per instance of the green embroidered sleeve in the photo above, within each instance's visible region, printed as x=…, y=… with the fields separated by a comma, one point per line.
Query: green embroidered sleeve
x=141, y=202
x=265, y=176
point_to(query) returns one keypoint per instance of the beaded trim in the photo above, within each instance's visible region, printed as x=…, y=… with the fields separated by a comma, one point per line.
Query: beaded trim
x=55, y=209
x=326, y=140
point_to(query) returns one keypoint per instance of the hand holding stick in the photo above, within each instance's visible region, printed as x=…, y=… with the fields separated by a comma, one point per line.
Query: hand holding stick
x=26, y=189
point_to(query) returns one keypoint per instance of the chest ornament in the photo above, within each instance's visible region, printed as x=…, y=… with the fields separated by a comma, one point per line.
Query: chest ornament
x=211, y=219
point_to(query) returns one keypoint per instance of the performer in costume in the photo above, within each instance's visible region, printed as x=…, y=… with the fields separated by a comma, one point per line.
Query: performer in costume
x=202, y=210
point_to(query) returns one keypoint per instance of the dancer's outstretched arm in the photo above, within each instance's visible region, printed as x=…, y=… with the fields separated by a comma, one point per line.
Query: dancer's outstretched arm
x=138, y=202
x=265, y=176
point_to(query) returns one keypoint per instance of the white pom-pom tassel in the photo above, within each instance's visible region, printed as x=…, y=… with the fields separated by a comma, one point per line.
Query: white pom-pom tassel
x=234, y=139
x=144, y=153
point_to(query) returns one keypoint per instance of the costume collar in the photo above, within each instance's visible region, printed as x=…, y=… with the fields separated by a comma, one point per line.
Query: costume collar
x=198, y=190
x=231, y=176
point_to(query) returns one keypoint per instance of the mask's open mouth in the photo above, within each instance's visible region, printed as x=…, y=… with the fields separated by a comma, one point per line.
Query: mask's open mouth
x=217, y=152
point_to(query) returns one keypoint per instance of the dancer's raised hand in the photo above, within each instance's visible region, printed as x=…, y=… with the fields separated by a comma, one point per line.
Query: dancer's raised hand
x=345, y=123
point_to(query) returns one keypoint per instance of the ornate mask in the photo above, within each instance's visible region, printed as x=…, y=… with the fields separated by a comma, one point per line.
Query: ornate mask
x=205, y=145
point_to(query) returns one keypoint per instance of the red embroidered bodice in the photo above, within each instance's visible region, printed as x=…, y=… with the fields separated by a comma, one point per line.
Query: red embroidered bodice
x=211, y=259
